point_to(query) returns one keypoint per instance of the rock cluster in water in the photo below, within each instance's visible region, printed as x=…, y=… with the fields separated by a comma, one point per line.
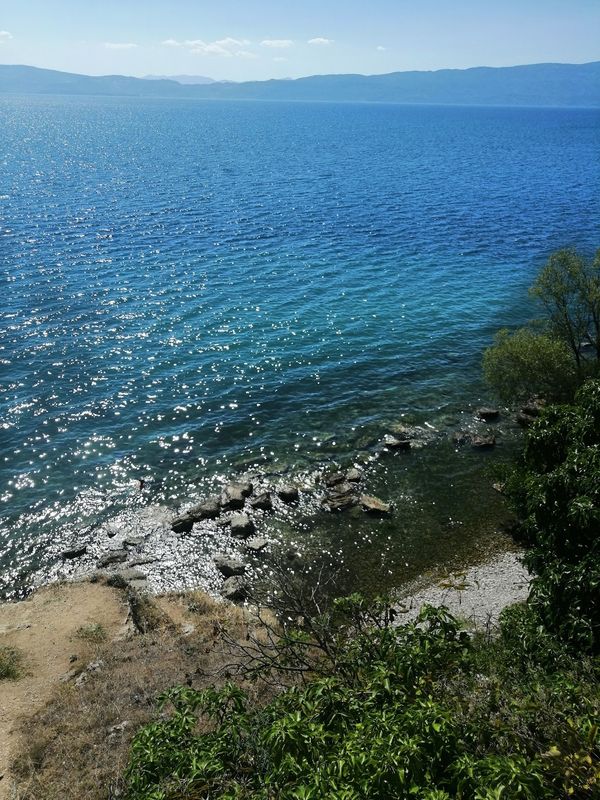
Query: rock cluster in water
x=241, y=506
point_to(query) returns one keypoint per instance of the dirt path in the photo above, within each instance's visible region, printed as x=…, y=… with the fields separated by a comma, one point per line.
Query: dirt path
x=44, y=628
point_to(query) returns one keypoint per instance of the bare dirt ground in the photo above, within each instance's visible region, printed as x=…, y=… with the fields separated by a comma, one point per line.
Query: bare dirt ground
x=44, y=629
x=66, y=724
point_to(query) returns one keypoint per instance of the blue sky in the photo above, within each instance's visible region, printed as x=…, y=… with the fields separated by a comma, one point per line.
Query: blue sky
x=248, y=39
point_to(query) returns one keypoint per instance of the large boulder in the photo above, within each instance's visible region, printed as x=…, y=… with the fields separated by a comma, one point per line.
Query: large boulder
x=229, y=566
x=488, y=414
x=235, y=589
x=354, y=475
x=288, y=493
x=234, y=495
x=262, y=502
x=209, y=509
x=334, y=478
x=241, y=526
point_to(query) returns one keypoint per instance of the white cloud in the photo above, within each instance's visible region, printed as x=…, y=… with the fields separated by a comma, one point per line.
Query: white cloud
x=120, y=45
x=227, y=47
x=5, y=36
x=380, y=48
x=320, y=40
x=278, y=43
x=280, y=58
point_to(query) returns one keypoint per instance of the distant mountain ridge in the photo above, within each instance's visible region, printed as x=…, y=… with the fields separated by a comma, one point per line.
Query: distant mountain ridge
x=528, y=85
x=186, y=80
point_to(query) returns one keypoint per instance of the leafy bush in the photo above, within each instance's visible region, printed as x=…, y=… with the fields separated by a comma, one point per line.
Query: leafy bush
x=552, y=361
x=524, y=363
x=556, y=492
x=569, y=289
x=426, y=712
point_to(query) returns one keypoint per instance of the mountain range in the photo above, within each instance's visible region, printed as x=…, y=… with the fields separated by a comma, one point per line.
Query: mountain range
x=529, y=85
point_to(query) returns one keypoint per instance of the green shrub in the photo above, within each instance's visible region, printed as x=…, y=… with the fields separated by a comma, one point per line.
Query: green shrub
x=555, y=490
x=426, y=712
x=11, y=661
x=524, y=363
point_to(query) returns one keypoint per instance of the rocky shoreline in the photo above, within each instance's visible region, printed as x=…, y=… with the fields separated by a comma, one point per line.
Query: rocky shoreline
x=236, y=525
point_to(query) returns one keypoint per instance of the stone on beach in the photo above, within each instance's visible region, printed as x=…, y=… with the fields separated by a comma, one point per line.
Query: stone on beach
x=241, y=526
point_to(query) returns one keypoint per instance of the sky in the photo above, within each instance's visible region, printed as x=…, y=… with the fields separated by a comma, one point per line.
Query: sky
x=260, y=39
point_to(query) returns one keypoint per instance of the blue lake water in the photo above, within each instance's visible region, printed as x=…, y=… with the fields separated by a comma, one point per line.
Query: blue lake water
x=192, y=288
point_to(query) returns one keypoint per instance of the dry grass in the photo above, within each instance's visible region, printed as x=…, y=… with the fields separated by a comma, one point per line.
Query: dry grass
x=77, y=746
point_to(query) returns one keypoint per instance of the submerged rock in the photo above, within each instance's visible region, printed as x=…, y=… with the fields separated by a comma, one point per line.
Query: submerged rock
x=483, y=442
x=262, y=502
x=525, y=420
x=488, y=414
x=288, y=493
x=461, y=437
x=374, y=505
x=256, y=544
x=235, y=589
x=241, y=526
x=229, y=566
x=395, y=443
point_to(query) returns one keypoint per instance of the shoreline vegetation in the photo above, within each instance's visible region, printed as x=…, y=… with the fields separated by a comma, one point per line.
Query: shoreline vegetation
x=482, y=686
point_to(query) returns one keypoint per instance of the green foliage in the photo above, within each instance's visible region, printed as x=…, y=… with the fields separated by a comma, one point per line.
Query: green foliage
x=10, y=663
x=554, y=361
x=426, y=712
x=555, y=490
x=569, y=289
x=524, y=363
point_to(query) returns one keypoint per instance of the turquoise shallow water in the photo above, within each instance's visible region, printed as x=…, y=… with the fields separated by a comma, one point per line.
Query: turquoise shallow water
x=189, y=288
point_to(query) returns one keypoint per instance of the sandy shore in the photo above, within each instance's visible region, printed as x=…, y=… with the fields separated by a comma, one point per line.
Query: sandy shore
x=477, y=594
